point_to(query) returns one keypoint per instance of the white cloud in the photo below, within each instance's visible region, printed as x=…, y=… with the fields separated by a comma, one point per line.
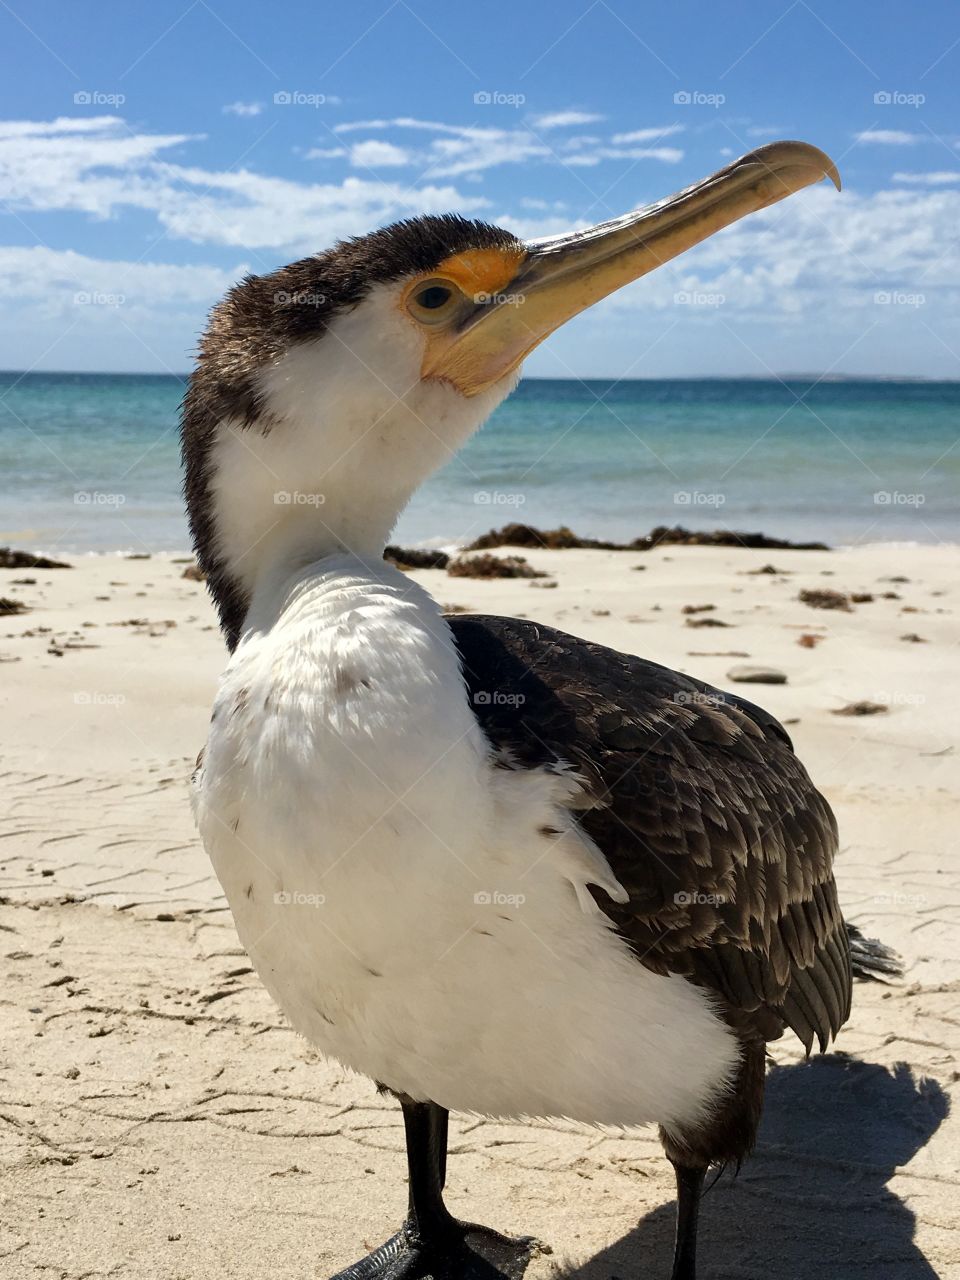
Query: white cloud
x=648, y=135
x=399, y=122
x=82, y=312
x=91, y=169
x=102, y=172
x=243, y=108
x=942, y=178
x=532, y=202
x=564, y=119
x=764, y=131
x=55, y=277
x=375, y=153
x=325, y=153
x=464, y=150
x=455, y=150
x=668, y=155
x=890, y=137
x=246, y=209
x=536, y=228
x=63, y=124
x=485, y=149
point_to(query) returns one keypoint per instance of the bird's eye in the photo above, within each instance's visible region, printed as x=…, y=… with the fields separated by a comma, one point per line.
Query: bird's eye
x=434, y=296
x=432, y=301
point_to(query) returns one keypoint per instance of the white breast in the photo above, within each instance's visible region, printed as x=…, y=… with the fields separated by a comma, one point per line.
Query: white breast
x=397, y=890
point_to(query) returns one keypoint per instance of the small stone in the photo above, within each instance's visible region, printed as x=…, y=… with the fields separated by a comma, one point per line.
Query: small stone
x=756, y=675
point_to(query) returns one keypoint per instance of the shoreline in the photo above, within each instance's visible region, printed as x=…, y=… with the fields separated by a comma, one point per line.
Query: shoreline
x=438, y=543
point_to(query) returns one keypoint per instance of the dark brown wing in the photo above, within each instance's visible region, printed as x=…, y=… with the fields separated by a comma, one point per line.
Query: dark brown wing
x=703, y=811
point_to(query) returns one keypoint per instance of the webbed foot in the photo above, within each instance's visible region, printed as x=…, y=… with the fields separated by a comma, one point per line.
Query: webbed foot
x=464, y=1251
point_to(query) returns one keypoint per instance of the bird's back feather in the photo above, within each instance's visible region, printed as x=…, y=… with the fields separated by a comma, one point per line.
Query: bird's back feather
x=701, y=807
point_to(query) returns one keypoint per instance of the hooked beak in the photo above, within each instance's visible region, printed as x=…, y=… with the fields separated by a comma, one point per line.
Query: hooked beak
x=561, y=276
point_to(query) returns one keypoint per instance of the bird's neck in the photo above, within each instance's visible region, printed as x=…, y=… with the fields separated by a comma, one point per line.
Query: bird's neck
x=272, y=515
x=297, y=537
x=321, y=592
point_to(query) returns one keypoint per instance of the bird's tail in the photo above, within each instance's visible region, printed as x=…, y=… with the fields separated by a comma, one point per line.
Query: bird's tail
x=871, y=960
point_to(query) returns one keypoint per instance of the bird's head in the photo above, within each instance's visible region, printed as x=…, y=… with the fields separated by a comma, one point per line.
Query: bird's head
x=326, y=392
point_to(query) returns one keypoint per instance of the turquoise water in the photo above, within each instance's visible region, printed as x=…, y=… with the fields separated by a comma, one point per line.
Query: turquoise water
x=90, y=461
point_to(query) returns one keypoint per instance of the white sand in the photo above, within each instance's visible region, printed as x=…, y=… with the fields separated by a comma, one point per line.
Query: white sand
x=159, y=1121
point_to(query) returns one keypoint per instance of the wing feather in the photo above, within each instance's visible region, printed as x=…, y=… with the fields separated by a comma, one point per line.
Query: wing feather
x=699, y=804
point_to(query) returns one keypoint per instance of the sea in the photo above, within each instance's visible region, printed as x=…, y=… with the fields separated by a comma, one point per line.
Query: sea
x=90, y=462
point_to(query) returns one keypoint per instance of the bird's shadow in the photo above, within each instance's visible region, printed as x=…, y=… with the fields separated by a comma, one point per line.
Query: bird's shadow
x=813, y=1199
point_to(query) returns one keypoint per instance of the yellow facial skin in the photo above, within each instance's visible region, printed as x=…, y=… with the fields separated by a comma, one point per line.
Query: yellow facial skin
x=473, y=280
x=483, y=311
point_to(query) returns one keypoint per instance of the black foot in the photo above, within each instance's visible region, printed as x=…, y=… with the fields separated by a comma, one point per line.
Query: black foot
x=469, y=1252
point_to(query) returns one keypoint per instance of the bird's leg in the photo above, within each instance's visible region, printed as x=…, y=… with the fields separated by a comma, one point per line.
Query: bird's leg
x=689, y=1187
x=426, y=1129
x=432, y=1244
x=727, y=1137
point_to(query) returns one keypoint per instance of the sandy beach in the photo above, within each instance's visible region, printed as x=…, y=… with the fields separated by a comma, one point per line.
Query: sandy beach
x=159, y=1121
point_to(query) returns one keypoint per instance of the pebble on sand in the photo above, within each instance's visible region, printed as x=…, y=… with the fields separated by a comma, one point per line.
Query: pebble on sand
x=756, y=675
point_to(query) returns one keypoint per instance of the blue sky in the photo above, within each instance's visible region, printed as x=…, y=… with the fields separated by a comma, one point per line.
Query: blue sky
x=149, y=155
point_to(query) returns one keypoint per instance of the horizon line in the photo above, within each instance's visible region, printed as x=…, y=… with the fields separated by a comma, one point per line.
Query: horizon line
x=790, y=375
